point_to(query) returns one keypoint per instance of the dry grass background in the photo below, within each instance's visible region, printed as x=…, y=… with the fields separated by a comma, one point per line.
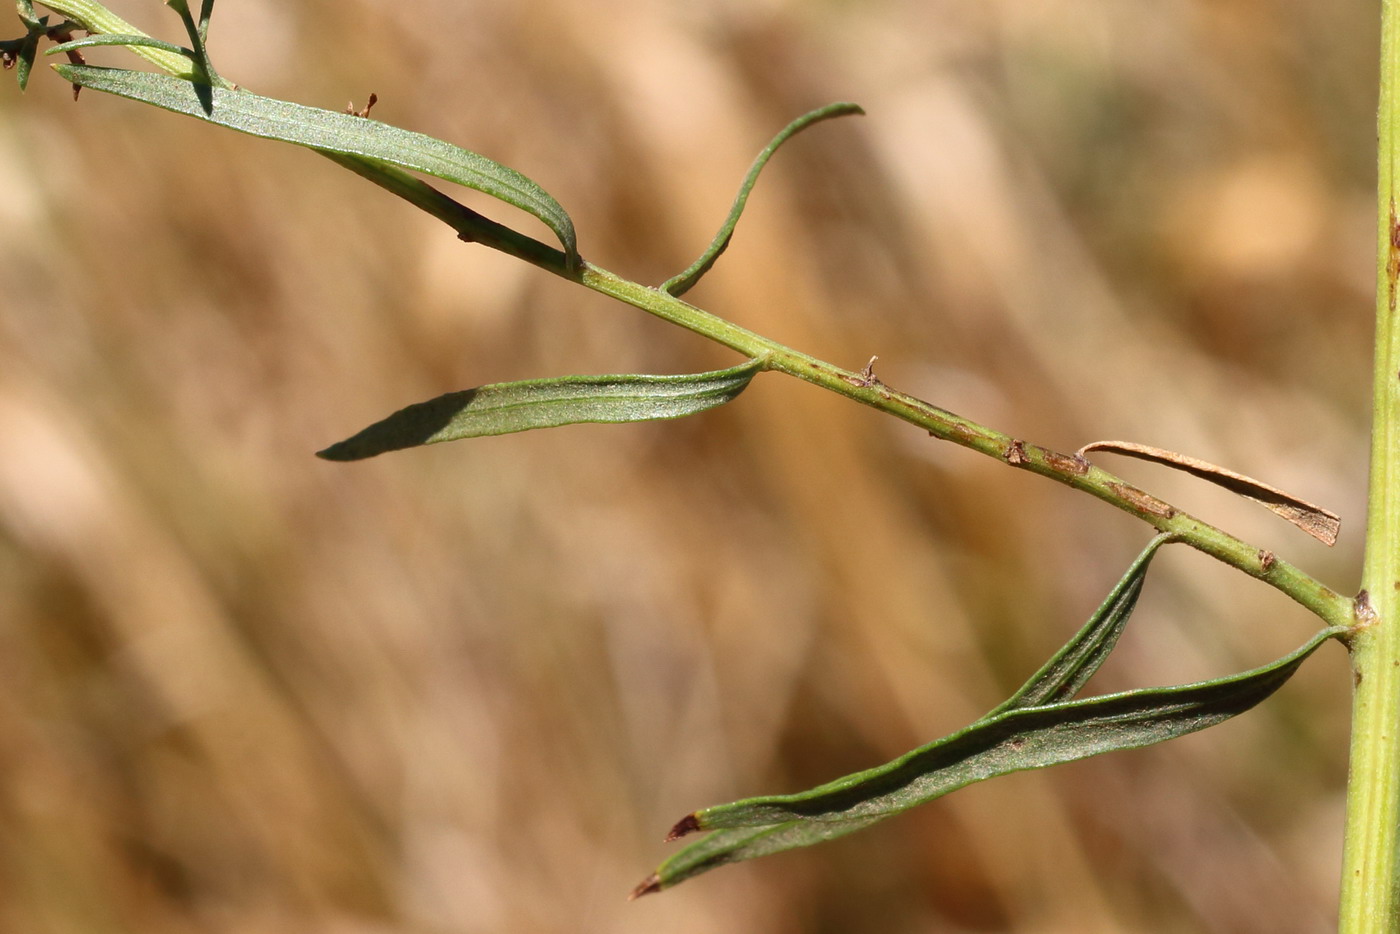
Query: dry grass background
x=467, y=689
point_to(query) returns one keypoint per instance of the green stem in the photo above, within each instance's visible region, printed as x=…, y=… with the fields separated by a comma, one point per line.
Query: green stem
x=1073, y=471
x=1370, y=887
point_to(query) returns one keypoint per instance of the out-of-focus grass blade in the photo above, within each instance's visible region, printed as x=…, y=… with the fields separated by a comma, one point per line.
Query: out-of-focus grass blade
x=680, y=284
x=501, y=408
x=329, y=131
x=1066, y=673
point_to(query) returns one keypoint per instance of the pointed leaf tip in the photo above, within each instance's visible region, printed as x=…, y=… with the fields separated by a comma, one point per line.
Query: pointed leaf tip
x=1062, y=677
x=650, y=884
x=686, y=825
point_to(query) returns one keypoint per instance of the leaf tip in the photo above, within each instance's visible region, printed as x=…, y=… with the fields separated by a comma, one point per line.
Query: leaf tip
x=686, y=825
x=340, y=451
x=650, y=884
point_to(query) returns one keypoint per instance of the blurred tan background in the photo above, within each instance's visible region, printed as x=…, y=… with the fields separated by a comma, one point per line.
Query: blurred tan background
x=468, y=688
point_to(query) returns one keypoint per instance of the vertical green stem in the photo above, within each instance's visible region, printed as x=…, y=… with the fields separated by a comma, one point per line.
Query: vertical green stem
x=1370, y=887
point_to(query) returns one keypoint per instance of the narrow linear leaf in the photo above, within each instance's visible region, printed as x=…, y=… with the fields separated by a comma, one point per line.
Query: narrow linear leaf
x=1320, y=523
x=1020, y=739
x=24, y=59
x=333, y=132
x=682, y=283
x=203, y=87
x=1016, y=740
x=133, y=41
x=736, y=845
x=501, y=408
x=206, y=10
x=21, y=52
x=1072, y=666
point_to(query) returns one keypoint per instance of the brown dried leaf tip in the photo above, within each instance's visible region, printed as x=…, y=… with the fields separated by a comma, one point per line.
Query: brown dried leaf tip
x=1320, y=523
x=650, y=884
x=686, y=825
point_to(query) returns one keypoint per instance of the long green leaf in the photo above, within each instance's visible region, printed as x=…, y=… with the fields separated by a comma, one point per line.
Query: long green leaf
x=1065, y=674
x=680, y=284
x=1019, y=739
x=131, y=42
x=332, y=132
x=501, y=408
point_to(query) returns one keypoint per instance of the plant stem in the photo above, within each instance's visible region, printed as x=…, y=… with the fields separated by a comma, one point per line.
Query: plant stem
x=1370, y=902
x=1071, y=470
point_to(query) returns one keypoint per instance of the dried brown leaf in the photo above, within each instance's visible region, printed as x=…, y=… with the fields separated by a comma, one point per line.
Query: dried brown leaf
x=1320, y=523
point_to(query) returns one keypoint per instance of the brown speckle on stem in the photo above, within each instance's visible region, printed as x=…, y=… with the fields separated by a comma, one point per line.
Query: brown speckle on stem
x=1142, y=501
x=1015, y=453
x=867, y=377
x=1266, y=560
x=1392, y=265
x=1067, y=463
x=1363, y=611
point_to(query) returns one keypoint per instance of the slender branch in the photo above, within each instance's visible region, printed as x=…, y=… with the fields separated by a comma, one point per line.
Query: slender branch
x=1370, y=902
x=1068, y=469
x=1076, y=472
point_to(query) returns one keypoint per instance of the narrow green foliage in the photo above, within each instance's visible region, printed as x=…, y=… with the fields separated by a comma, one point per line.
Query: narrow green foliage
x=1037, y=727
x=132, y=42
x=682, y=283
x=1066, y=673
x=1019, y=739
x=20, y=52
x=1041, y=724
x=331, y=132
x=207, y=77
x=502, y=408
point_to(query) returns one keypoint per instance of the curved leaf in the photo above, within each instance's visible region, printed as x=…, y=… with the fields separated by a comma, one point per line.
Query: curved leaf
x=1065, y=674
x=332, y=132
x=1322, y=524
x=1018, y=739
x=501, y=408
x=682, y=283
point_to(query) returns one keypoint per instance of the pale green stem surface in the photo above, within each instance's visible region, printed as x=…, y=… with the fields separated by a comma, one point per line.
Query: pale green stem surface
x=1370, y=887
